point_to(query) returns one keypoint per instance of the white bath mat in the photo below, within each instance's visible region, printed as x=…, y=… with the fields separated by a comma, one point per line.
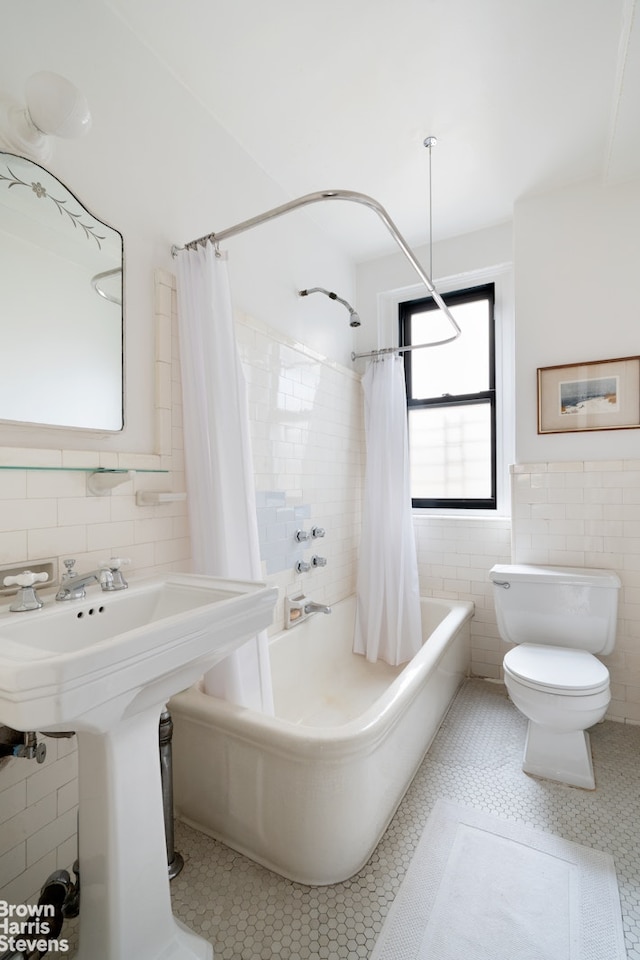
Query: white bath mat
x=480, y=888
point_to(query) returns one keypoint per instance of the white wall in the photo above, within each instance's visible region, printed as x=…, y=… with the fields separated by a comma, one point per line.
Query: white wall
x=307, y=437
x=480, y=257
x=50, y=514
x=161, y=170
x=587, y=514
x=574, y=497
x=576, y=280
x=158, y=167
x=457, y=262
x=455, y=553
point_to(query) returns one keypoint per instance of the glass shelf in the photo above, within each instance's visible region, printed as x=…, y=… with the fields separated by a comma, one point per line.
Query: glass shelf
x=86, y=469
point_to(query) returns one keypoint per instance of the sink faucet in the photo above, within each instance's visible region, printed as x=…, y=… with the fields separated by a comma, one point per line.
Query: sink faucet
x=109, y=576
x=73, y=585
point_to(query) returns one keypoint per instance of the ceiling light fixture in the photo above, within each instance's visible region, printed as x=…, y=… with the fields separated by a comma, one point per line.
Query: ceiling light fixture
x=54, y=108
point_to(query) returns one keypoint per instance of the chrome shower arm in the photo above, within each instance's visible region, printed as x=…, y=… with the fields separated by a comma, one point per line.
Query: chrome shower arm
x=318, y=197
x=355, y=319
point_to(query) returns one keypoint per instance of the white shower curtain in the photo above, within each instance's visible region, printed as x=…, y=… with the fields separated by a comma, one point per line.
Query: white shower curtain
x=388, y=623
x=219, y=466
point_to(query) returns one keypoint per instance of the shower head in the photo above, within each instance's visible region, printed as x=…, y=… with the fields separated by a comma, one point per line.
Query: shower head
x=354, y=319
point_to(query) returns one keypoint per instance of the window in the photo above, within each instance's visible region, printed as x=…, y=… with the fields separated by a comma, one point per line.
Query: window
x=451, y=402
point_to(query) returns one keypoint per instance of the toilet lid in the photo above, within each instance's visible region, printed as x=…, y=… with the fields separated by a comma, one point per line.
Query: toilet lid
x=557, y=668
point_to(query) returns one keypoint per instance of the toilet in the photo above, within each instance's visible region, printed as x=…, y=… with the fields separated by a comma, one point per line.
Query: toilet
x=558, y=618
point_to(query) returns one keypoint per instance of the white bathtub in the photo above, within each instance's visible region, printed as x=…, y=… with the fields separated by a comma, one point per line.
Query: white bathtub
x=310, y=791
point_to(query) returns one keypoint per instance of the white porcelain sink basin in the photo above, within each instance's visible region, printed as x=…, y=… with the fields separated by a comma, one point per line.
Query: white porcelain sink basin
x=70, y=665
x=105, y=667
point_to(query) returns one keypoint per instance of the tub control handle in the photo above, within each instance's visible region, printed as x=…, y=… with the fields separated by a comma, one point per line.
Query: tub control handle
x=317, y=532
x=503, y=583
x=301, y=536
x=318, y=561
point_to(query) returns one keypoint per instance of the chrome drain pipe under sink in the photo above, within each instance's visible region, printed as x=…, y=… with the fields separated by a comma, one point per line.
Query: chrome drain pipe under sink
x=175, y=861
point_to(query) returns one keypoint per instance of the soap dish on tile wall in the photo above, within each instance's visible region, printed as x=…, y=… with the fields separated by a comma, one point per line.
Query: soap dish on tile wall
x=48, y=566
x=145, y=498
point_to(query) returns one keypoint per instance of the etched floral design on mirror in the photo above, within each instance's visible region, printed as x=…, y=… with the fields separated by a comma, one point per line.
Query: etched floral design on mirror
x=61, y=295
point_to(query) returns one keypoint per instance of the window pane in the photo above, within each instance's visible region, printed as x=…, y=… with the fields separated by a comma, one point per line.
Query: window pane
x=451, y=452
x=455, y=368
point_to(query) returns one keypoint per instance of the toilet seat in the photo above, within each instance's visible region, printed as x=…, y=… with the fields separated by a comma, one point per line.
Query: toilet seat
x=559, y=670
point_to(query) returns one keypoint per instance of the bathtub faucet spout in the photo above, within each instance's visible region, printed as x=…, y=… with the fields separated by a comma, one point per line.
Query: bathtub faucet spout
x=298, y=609
x=313, y=607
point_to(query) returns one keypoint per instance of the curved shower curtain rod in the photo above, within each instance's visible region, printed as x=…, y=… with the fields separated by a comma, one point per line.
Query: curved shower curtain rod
x=317, y=197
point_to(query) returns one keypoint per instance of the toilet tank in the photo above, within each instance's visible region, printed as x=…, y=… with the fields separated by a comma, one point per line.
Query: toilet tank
x=558, y=606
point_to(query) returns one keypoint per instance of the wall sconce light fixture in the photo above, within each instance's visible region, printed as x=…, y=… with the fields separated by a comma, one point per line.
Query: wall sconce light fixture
x=54, y=108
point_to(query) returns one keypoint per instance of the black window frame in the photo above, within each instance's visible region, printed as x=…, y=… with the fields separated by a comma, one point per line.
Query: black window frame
x=405, y=311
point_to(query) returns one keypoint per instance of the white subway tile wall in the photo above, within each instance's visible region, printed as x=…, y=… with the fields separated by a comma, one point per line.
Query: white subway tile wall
x=574, y=513
x=281, y=529
x=46, y=514
x=307, y=439
x=587, y=514
x=308, y=449
x=455, y=555
x=306, y=428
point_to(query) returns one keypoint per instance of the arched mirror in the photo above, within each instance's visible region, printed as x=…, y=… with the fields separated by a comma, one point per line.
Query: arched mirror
x=61, y=316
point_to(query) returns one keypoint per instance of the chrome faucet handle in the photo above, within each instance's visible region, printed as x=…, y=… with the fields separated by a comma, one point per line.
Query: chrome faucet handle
x=111, y=577
x=70, y=572
x=114, y=563
x=317, y=532
x=301, y=536
x=26, y=598
x=26, y=579
x=318, y=561
x=303, y=566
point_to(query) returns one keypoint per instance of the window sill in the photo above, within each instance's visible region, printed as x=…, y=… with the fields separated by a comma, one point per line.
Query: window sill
x=491, y=516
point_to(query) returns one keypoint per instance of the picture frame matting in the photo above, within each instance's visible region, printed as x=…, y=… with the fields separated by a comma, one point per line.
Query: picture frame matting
x=594, y=395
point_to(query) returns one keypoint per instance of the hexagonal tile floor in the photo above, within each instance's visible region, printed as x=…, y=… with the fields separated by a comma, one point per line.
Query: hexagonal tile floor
x=249, y=913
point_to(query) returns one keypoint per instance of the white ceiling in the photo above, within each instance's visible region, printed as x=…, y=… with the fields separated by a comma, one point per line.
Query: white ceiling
x=522, y=95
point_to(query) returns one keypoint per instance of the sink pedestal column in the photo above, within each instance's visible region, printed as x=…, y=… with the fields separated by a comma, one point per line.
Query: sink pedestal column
x=125, y=903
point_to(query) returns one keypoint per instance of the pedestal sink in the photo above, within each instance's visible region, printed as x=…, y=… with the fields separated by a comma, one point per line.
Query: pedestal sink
x=105, y=667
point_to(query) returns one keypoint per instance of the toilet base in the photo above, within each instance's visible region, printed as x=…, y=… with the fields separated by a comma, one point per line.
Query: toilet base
x=561, y=756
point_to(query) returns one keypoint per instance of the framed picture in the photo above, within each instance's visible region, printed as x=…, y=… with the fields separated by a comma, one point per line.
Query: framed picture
x=597, y=395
